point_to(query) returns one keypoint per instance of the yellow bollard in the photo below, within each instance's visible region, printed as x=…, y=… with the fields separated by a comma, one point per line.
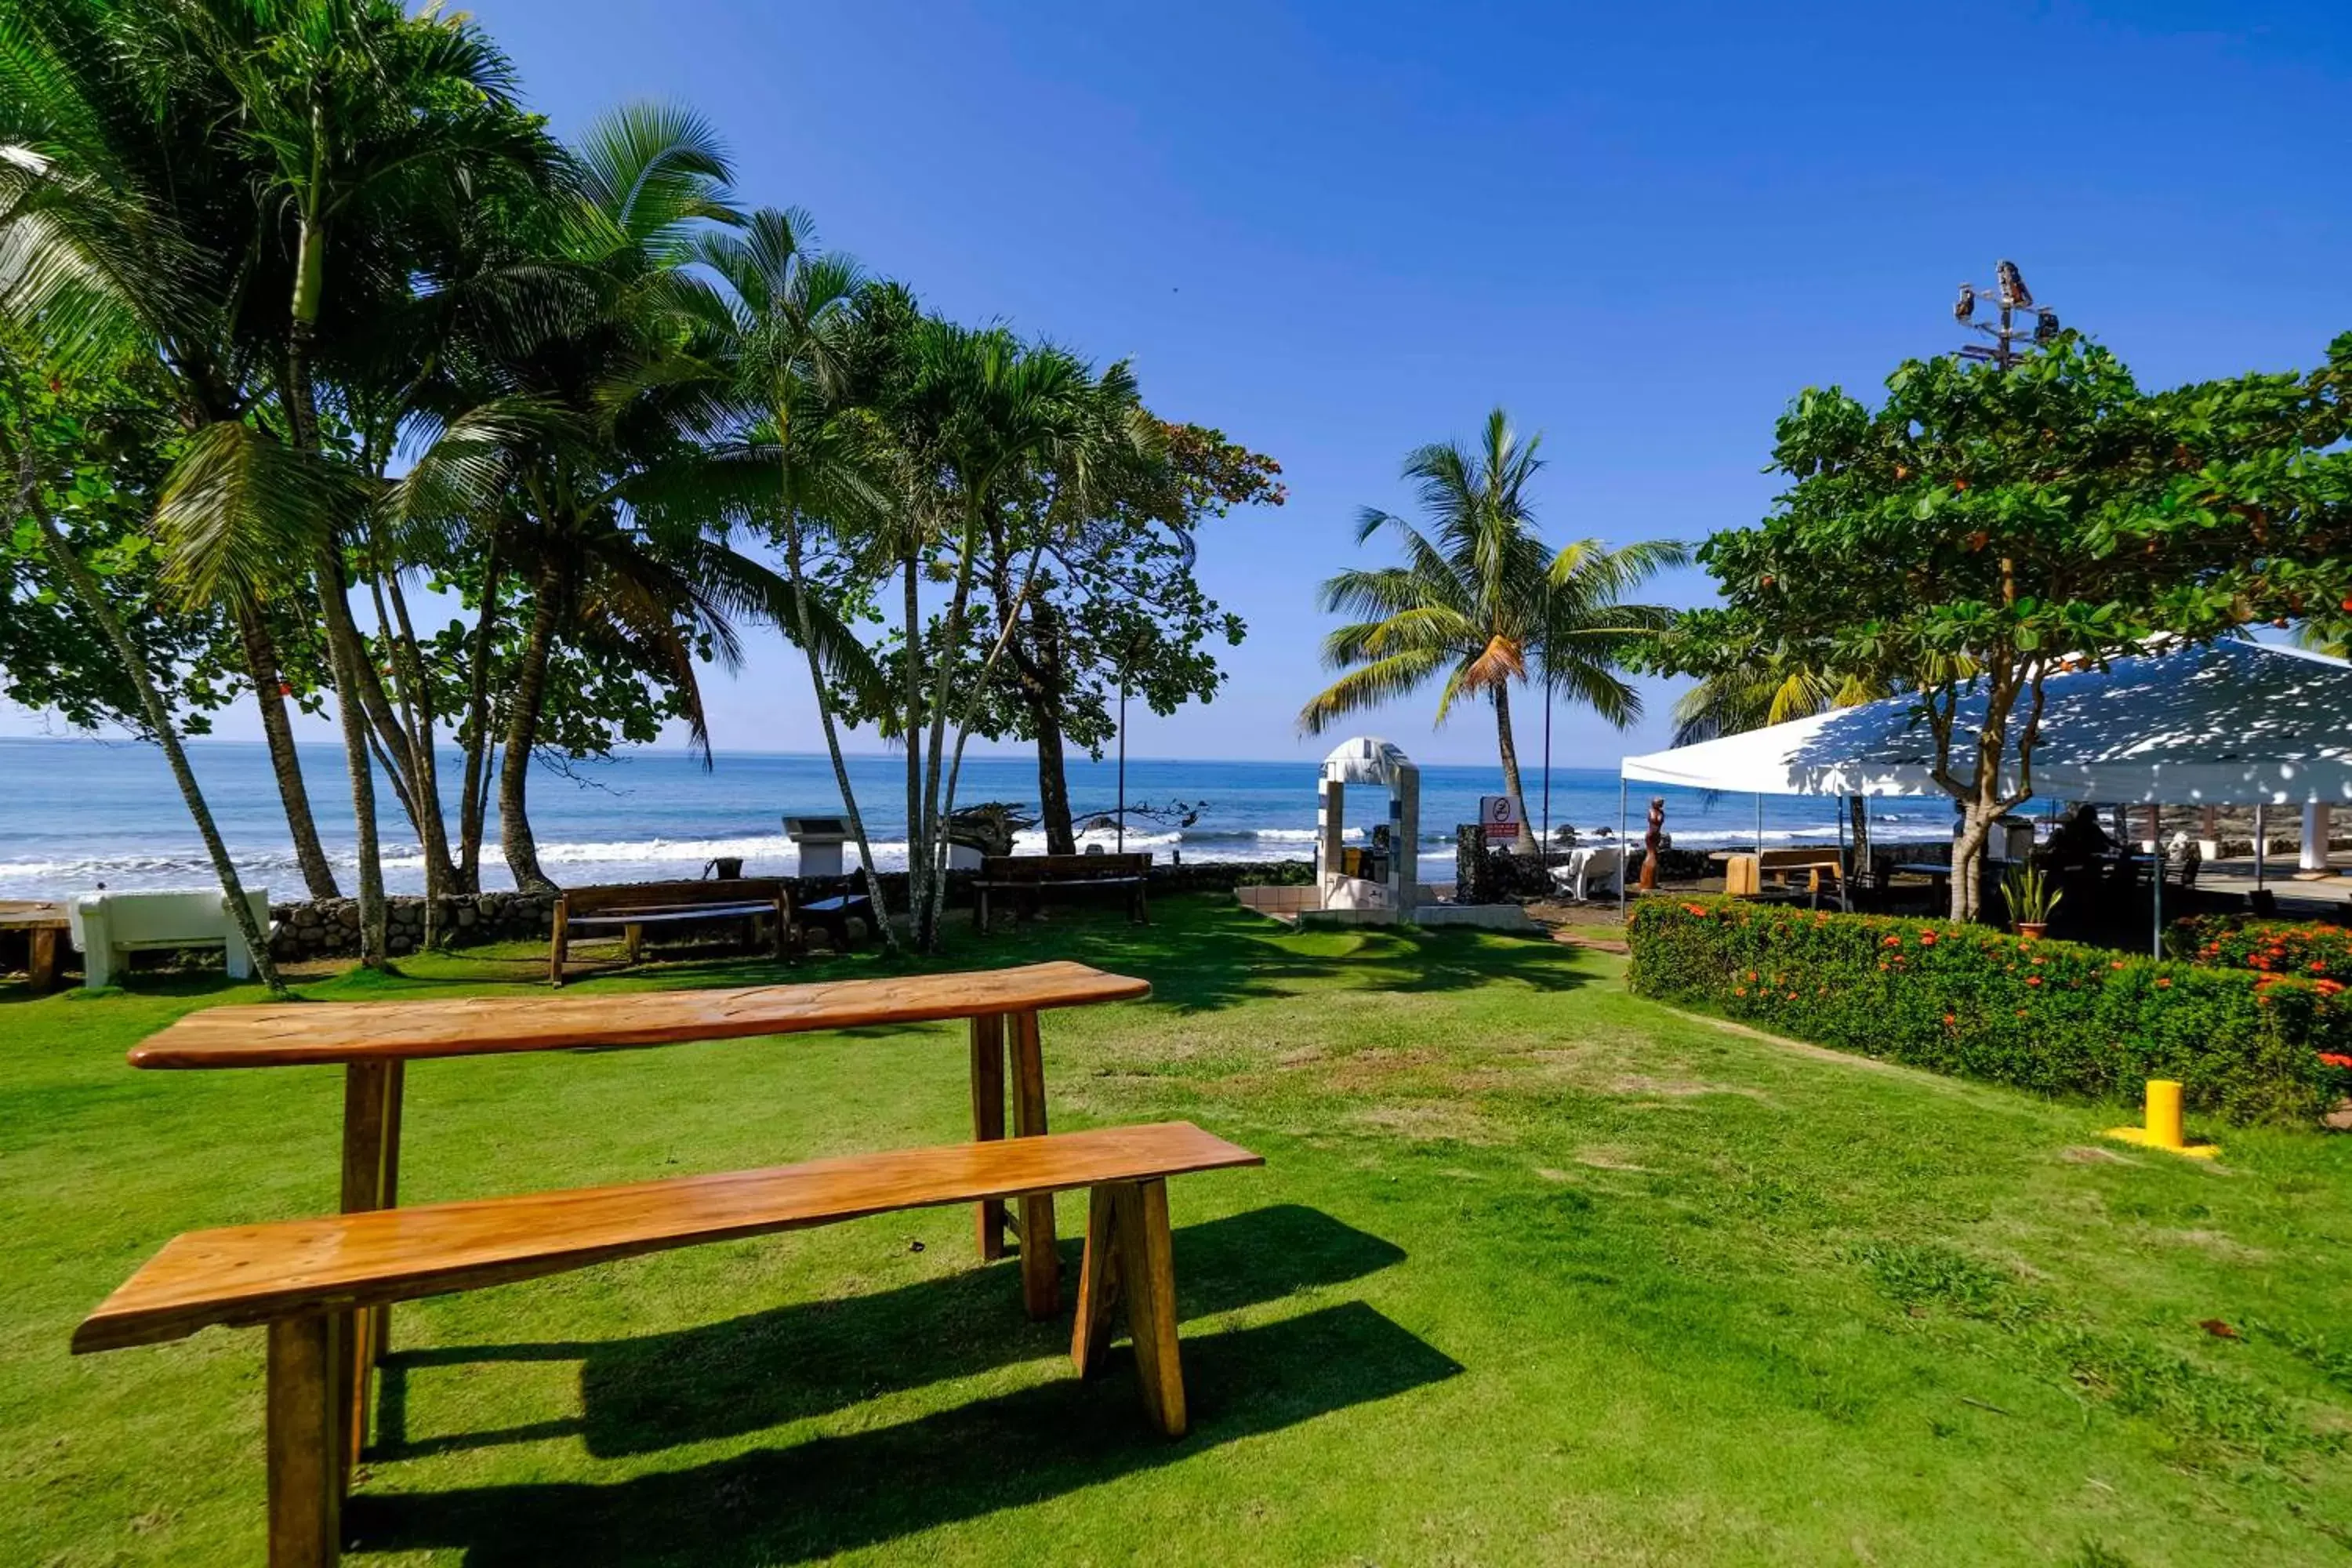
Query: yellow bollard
x=2161, y=1128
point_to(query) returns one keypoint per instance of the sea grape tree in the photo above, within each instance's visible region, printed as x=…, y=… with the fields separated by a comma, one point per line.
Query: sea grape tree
x=1979, y=531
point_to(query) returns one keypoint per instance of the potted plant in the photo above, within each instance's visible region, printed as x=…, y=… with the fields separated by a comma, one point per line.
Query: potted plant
x=2030, y=898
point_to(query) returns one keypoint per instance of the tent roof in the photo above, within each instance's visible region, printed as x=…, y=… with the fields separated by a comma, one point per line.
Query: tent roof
x=2231, y=723
x=1368, y=759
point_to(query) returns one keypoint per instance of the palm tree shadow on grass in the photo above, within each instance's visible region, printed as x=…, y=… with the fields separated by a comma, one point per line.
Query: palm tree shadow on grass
x=747, y=1375
x=834, y=1494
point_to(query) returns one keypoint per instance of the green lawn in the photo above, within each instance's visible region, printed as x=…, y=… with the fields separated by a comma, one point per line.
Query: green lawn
x=1535, y=1272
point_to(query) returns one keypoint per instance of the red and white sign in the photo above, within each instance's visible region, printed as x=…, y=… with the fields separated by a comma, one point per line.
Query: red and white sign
x=1499, y=815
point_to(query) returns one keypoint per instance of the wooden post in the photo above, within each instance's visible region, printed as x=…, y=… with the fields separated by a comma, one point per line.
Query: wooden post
x=395, y=1084
x=558, y=938
x=305, y=1462
x=1041, y=1267
x=366, y=1114
x=41, y=959
x=1147, y=1277
x=633, y=943
x=1098, y=1280
x=988, y=1117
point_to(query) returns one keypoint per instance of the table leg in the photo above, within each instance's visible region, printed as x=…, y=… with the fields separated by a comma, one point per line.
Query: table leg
x=1041, y=1263
x=988, y=1116
x=41, y=960
x=395, y=1084
x=367, y=1110
x=306, y=1495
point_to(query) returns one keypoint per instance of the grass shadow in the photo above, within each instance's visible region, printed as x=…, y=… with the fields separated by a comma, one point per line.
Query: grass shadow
x=719, y=1380
x=836, y=1494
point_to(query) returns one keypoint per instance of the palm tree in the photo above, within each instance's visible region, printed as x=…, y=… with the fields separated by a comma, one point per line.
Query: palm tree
x=1480, y=598
x=794, y=312
x=125, y=232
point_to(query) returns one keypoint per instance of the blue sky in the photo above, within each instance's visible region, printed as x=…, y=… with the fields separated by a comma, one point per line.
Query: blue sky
x=1339, y=230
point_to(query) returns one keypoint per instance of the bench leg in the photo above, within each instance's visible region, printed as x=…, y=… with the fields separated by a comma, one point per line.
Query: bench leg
x=1041, y=1263
x=1129, y=1257
x=1098, y=1282
x=41, y=961
x=633, y=941
x=367, y=1119
x=559, y=941
x=306, y=1490
x=988, y=1117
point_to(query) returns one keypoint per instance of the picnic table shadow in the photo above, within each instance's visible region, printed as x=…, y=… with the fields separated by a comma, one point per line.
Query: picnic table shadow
x=749, y=1374
x=833, y=1494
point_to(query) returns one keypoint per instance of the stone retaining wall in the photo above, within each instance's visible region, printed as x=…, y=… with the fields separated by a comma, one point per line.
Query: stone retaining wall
x=330, y=928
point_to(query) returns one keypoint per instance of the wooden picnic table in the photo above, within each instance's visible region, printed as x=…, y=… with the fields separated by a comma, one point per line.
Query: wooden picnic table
x=43, y=925
x=374, y=1041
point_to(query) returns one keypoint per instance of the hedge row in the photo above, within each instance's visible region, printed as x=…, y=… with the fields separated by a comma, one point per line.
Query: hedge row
x=2052, y=1016
x=2316, y=952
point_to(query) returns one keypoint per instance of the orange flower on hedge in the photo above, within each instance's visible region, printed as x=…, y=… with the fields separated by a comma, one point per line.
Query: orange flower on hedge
x=1950, y=1019
x=2164, y=983
x=2033, y=980
x=2118, y=963
x=1892, y=941
x=1928, y=939
x=2336, y=1060
x=2330, y=987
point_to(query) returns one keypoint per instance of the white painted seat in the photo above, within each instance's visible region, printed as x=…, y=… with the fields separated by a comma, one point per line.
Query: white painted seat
x=107, y=927
x=1604, y=861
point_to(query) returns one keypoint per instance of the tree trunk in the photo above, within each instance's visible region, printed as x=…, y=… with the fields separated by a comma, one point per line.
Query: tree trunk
x=471, y=803
x=522, y=734
x=833, y=734
x=1525, y=842
x=346, y=654
x=1858, y=810
x=261, y=667
x=1968, y=858
x=1041, y=688
x=159, y=722
x=918, y=880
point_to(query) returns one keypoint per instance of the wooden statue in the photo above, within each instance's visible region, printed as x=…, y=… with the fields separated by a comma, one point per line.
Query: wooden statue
x=1654, y=841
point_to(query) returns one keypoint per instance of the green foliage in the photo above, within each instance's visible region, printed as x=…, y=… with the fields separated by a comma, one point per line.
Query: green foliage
x=2053, y=1017
x=100, y=446
x=1975, y=527
x=2027, y=894
x=2304, y=949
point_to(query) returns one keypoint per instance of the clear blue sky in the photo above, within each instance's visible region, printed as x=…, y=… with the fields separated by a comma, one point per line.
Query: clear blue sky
x=1339, y=230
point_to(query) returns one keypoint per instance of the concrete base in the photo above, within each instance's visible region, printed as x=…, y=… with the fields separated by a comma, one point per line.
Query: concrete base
x=1485, y=917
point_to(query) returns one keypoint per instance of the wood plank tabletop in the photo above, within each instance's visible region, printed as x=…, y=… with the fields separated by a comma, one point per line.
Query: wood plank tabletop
x=26, y=914
x=298, y=1034
x=243, y=1274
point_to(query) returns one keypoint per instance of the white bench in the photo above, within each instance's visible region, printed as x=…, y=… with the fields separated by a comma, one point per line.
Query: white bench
x=107, y=927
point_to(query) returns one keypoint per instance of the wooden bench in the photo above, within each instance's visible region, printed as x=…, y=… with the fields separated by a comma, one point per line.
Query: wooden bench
x=1029, y=878
x=830, y=906
x=632, y=906
x=46, y=927
x=303, y=1280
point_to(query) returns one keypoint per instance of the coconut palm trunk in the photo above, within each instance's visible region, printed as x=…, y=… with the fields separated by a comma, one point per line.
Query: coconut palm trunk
x=1524, y=843
x=522, y=722
x=284, y=762
x=159, y=723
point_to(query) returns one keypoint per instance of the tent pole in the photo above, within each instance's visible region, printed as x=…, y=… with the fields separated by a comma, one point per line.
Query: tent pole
x=2156, y=899
x=2261, y=843
x=1621, y=844
x=1759, y=824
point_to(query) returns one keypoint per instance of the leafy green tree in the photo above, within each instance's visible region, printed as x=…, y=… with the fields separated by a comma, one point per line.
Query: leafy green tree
x=1114, y=604
x=66, y=492
x=1480, y=599
x=125, y=233
x=1976, y=532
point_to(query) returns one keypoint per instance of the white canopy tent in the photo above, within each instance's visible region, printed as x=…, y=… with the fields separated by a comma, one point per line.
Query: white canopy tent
x=2234, y=723
x=2231, y=724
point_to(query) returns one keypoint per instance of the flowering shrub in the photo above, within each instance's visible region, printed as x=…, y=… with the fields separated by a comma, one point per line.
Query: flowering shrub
x=2271, y=947
x=2052, y=1016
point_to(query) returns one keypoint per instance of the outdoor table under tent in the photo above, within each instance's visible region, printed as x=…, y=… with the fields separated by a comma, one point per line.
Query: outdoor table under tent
x=2212, y=725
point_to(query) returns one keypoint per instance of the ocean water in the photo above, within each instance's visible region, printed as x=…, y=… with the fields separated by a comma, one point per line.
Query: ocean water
x=76, y=812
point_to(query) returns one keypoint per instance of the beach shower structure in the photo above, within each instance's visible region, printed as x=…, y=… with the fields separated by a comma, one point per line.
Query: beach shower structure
x=1367, y=881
